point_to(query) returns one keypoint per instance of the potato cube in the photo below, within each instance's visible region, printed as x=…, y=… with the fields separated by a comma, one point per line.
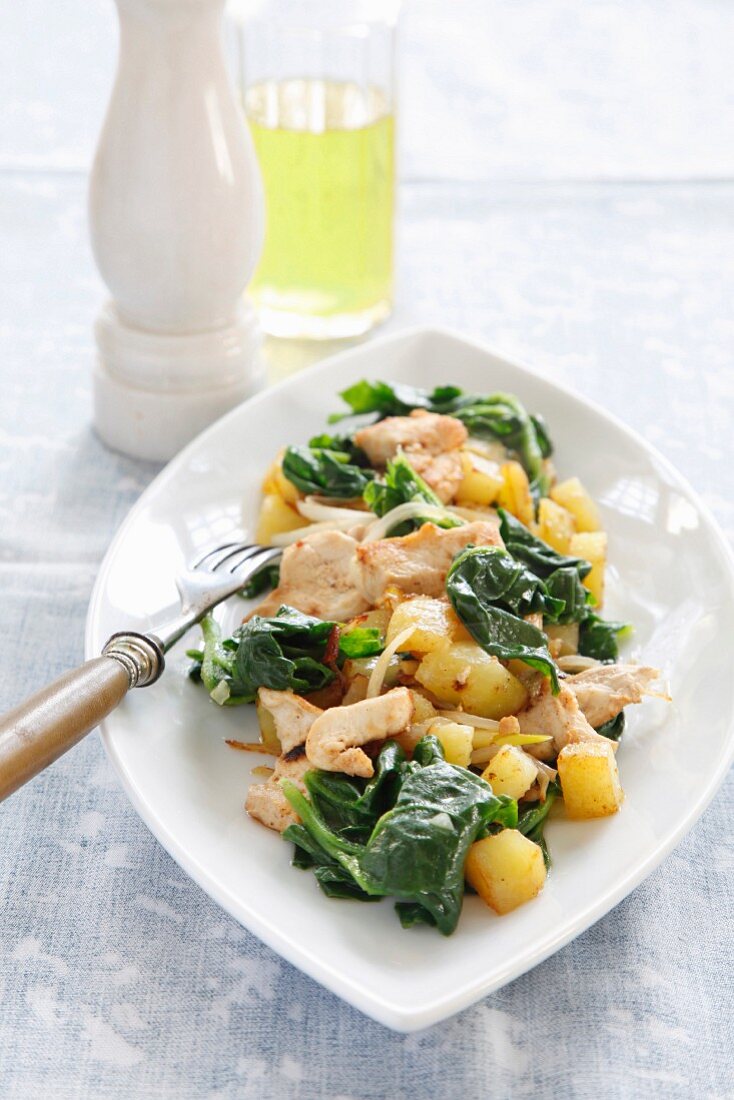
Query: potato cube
x=275, y=518
x=432, y=623
x=462, y=674
x=589, y=779
x=481, y=483
x=556, y=525
x=515, y=495
x=276, y=482
x=563, y=638
x=423, y=709
x=457, y=740
x=506, y=870
x=268, y=736
x=593, y=547
x=573, y=496
x=511, y=772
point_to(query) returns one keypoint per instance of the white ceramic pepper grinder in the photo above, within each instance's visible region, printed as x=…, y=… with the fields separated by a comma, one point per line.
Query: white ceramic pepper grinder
x=176, y=214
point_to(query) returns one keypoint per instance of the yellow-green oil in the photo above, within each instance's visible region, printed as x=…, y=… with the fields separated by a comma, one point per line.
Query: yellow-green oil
x=326, y=153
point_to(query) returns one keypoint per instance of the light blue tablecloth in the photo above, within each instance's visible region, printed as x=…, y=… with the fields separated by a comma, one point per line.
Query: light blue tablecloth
x=118, y=977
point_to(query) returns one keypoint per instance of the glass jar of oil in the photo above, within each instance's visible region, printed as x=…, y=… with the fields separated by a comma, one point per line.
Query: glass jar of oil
x=320, y=105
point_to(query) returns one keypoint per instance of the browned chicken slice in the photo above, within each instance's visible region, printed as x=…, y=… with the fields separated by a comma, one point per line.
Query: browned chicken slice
x=421, y=431
x=266, y=801
x=558, y=716
x=334, y=739
x=444, y=472
x=293, y=716
x=316, y=577
x=417, y=563
x=602, y=692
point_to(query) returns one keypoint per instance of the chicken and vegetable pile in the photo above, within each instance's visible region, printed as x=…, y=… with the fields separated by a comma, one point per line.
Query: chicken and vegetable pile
x=430, y=667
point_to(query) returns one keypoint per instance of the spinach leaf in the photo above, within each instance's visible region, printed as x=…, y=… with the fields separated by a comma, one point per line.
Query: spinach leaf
x=541, y=432
x=499, y=632
x=285, y=652
x=498, y=578
x=361, y=641
x=614, y=728
x=264, y=579
x=216, y=666
x=400, y=485
x=598, y=638
x=342, y=443
x=417, y=847
x=541, y=558
x=531, y=823
x=392, y=399
x=562, y=574
x=325, y=473
x=565, y=585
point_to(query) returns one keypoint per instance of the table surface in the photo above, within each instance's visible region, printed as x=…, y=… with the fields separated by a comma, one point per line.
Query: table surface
x=567, y=197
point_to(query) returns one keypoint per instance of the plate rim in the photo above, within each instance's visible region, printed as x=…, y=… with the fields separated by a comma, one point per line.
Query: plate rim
x=374, y=1005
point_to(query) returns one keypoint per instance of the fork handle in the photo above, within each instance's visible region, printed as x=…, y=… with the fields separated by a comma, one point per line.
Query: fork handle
x=38, y=731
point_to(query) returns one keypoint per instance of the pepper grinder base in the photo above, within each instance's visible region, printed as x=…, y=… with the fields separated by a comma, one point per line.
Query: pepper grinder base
x=154, y=392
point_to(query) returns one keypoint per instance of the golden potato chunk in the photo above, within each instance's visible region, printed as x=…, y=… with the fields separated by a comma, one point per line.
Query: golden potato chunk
x=276, y=517
x=462, y=674
x=456, y=739
x=589, y=780
x=573, y=496
x=433, y=622
x=556, y=525
x=268, y=735
x=515, y=495
x=482, y=481
x=506, y=870
x=510, y=772
x=593, y=547
x=276, y=482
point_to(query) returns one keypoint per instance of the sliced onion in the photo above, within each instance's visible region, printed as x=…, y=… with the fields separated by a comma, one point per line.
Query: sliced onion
x=574, y=662
x=316, y=510
x=471, y=720
x=412, y=509
x=377, y=676
x=287, y=538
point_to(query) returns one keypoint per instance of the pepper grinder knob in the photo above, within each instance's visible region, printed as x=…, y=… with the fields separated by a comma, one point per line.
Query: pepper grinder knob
x=176, y=215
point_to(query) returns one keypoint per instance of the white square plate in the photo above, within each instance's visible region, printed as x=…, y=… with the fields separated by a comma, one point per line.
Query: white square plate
x=671, y=575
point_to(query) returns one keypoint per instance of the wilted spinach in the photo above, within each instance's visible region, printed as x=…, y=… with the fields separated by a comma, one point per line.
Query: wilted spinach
x=498, y=578
x=424, y=816
x=343, y=443
x=325, y=473
x=474, y=595
x=400, y=485
x=532, y=821
x=599, y=638
x=264, y=579
x=285, y=652
x=614, y=728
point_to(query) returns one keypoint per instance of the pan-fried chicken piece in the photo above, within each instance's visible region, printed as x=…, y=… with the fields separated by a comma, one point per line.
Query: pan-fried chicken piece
x=444, y=472
x=419, y=562
x=421, y=431
x=334, y=739
x=316, y=577
x=559, y=716
x=293, y=716
x=266, y=801
x=602, y=692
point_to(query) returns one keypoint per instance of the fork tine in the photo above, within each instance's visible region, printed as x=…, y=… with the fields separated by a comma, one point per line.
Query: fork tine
x=267, y=553
x=243, y=551
x=214, y=557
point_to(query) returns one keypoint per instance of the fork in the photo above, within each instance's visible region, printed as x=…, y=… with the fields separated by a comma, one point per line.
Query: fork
x=38, y=731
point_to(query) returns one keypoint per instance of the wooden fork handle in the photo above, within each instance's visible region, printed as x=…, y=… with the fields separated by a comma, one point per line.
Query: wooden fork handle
x=39, y=730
